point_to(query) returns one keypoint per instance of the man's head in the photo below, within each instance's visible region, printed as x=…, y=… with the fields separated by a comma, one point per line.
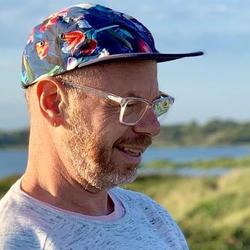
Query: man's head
x=83, y=128
x=92, y=91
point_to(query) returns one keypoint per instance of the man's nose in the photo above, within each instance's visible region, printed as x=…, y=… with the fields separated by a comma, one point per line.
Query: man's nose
x=148, y=124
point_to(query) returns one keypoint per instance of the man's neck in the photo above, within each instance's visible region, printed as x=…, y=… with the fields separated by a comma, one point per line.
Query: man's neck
x=66, y=193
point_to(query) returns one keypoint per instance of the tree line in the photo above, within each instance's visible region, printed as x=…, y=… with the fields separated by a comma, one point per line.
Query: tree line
x=214, y=132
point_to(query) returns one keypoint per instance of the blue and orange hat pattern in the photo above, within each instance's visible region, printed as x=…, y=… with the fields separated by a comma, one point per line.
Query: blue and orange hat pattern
x=86, y=34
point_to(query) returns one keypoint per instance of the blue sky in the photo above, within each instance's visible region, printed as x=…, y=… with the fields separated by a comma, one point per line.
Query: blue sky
x=213, y=86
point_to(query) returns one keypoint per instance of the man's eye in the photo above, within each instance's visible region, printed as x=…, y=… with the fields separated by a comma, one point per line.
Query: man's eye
x=111, y=103
x=131, y=104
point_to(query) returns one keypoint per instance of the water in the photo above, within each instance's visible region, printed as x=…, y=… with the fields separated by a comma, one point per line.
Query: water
x=185, y=154
x=14, y=161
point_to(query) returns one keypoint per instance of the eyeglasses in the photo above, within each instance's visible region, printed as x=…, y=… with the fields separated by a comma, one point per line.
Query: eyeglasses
x=132, y=109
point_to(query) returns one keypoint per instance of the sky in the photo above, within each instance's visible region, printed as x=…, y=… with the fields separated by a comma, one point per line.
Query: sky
x=214, y=86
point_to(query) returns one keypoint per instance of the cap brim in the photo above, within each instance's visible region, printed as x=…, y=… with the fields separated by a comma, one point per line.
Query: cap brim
x=158, y=57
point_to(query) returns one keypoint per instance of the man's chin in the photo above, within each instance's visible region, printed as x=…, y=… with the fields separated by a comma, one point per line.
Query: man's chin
x=118, y=180
x=128, y=178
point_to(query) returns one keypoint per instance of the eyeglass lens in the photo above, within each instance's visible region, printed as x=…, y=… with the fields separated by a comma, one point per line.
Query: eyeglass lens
x=135, y=109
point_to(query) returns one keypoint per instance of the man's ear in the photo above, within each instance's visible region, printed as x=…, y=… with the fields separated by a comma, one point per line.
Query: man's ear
x=49, y=93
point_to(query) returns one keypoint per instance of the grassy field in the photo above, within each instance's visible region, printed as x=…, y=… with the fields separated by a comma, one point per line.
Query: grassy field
x=232, y=163
x=214, y=213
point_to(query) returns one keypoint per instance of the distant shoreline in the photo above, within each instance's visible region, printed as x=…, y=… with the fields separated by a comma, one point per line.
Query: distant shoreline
x=213, y=133
x=154, y=145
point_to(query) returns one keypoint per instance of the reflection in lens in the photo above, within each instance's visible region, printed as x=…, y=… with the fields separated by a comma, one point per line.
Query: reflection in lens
x=161, y=106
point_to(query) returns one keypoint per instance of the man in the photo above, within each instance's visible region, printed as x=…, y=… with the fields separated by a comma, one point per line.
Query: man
x=90, y=75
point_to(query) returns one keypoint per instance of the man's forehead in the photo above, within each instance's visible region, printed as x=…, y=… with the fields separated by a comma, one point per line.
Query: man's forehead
x=122, y=65
x=125, y=78
x=122, y=69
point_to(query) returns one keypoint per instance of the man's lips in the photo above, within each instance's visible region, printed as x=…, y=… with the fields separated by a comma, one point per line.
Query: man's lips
x=132, y=150
x=133, y=147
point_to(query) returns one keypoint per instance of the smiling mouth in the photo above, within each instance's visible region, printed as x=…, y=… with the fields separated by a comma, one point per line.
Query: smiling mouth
x=132, y=151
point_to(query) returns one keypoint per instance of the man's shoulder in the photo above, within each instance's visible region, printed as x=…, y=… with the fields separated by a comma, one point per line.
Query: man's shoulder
x=17, y=231
x=16, y=237
x=13, y=209
x=135, y=198
x=143, y=207
x=20, y=210
x=13, y=205
x=10, y=205
x=142, y=204
x=130, y=193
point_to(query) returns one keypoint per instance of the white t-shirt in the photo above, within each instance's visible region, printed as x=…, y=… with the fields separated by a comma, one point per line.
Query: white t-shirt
x=137, y=223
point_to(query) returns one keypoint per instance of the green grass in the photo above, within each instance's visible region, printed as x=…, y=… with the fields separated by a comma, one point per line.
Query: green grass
x=218, y=162
x=222, y=162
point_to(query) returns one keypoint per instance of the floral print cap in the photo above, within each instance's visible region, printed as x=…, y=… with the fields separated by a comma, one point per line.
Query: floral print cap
x=86, y=34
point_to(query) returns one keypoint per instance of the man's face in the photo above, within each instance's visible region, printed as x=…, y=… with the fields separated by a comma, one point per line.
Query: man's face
x=101, y=152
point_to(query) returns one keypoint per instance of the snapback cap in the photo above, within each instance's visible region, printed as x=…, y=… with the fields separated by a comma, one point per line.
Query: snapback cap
x=87, y=34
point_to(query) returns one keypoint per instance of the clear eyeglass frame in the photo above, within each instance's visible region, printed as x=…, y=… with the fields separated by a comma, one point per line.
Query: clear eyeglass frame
x=139, y=105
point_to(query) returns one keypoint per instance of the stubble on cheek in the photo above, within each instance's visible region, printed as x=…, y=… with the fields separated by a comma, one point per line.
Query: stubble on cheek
x=91, y=159
x=92, y=163
x=81, y=151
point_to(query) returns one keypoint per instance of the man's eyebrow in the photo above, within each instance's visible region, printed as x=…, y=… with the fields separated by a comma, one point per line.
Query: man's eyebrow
x=131, y=94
